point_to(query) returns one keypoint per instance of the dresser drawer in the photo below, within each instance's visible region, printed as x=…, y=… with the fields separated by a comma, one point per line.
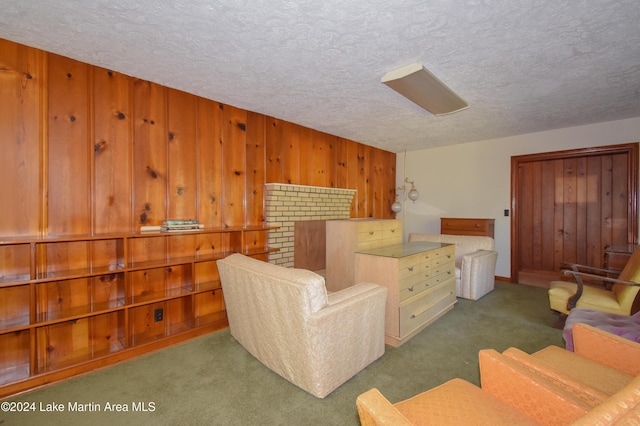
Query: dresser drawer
x=438, y=268
x=392, y=229
x=409, y=266
x=420, y=311
x=443, y=261
x=463, y=226
x=442, y=277
x=447, y=251
x=412, y=286
x=369, y=235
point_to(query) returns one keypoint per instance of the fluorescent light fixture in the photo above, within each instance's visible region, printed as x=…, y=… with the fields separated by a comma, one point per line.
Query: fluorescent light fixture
x=417, y=84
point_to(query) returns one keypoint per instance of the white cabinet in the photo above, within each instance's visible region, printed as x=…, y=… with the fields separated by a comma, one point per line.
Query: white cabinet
x=421, y=280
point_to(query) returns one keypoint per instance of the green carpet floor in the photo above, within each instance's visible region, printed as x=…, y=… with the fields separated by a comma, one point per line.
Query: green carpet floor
x=212, y=380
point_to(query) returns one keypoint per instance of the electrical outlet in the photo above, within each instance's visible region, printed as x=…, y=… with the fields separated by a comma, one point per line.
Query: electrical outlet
x=506, y=212
x=158, y=314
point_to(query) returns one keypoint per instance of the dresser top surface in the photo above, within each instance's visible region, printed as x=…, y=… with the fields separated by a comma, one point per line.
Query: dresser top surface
x=403, y=250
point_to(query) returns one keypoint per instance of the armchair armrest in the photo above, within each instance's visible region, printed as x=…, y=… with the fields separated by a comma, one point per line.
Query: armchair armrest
x=480, y=256
x=350, y=292
x=375, y=409
x=573, y=300
x=582, y=268
x=606, y=348
x=477, y=274
x=351, y=324
x=529, y=391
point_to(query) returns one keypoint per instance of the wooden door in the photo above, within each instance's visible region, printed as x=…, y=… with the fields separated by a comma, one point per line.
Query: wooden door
x=568, y=206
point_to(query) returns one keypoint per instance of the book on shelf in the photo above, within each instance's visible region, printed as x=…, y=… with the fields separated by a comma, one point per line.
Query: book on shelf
x=179, y=228
x=179, y=222
x=173, y=226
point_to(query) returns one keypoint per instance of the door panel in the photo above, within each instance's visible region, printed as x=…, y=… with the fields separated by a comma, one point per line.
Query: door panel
x=569, y=206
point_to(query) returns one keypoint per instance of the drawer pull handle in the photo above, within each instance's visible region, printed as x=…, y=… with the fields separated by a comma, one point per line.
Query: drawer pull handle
x=410, y=289
x=411, y=268
x=477, y=225
x=393, y=230
x=370, y=232
x=412, y=317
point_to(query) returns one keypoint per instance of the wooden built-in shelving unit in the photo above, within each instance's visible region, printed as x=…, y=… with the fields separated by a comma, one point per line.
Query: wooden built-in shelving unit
x=69, y=304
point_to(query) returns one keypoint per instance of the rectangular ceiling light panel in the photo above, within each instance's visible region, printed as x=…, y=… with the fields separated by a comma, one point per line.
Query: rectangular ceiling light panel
x=416, y=83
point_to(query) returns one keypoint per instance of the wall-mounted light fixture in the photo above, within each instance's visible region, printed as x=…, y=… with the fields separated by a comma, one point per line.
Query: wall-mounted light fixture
x=417, y=84
x=413, y=195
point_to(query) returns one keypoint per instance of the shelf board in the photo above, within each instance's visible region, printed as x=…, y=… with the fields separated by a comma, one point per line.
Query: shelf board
x=46, y=276
x=15, y=324
x=208, y=286
x=149, y=264
x=160, y=296
x=44, y=239
x=11, y=281
x=78, y=312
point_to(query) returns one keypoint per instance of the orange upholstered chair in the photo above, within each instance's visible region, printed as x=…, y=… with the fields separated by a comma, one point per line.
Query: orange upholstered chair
x=510, y=395
x=601, y=365
x=564, y=295
x=598, y=384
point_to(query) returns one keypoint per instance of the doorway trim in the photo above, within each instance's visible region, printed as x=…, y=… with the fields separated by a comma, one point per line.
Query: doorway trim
x=631, y=149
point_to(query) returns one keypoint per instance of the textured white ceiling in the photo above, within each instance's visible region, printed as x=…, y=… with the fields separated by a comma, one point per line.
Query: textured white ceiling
x=523, y=65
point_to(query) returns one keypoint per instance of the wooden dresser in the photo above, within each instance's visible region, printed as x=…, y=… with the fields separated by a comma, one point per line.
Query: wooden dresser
x=459, y=226
x=421, y=280
x=345, y=237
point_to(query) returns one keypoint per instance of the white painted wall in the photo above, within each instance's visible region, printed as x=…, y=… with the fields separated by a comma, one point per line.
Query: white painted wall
x=474, y=179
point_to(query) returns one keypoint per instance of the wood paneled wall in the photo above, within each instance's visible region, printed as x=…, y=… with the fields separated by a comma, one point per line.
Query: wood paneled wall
x=88, y=150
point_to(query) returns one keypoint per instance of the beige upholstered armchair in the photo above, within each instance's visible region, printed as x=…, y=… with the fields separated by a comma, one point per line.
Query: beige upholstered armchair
x=475, y=262
x=285, y=318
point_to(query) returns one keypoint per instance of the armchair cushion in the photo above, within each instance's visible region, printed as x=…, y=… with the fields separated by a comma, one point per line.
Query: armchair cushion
x=592, y=298
x=284, y=318
x=475, y=262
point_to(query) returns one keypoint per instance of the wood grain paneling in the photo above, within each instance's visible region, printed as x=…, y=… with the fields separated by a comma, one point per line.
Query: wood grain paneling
x=255, y=169
x=355, y=169
x=181, y=141
x=68, y=148
x=123, y=152
x=22, y=123
x=234, y=133
x=149, y=153
x=112, y=147
x=209, y=156
x=283, y=148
